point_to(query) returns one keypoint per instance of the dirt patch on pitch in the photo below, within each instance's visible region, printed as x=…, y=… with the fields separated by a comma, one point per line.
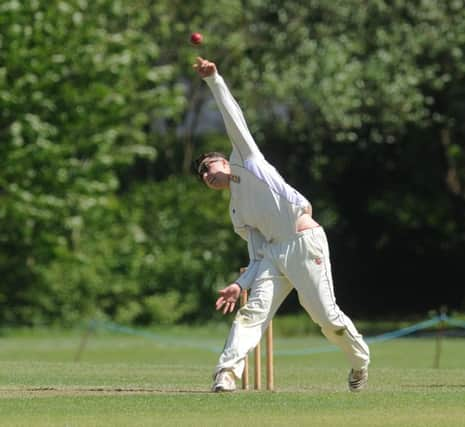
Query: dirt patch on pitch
x=30, y=392
x=6, y=393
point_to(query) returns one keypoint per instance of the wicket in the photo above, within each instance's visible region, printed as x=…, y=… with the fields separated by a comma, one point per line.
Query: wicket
x=257, y=359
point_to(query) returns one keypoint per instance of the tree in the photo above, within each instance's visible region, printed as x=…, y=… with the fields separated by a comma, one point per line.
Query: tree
x=371, y=96
x=359, y=105
x=78, y=91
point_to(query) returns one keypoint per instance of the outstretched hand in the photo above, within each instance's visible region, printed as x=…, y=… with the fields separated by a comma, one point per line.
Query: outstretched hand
x=228, y=298
x=204, y=67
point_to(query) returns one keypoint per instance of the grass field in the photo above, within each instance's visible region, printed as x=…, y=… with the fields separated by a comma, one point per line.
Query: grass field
x=123, y=380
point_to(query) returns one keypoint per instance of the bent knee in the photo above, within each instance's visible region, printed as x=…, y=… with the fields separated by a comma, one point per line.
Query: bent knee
x=330, y=324
x=332, y=330
x=252, y=314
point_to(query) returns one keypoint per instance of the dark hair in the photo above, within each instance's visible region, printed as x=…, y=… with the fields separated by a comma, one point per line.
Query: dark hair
x=198, y=161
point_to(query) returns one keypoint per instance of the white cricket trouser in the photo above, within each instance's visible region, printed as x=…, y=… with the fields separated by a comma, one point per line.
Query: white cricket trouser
x=302, y=263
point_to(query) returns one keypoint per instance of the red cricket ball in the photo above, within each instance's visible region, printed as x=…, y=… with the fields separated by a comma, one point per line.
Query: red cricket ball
x=196, y=38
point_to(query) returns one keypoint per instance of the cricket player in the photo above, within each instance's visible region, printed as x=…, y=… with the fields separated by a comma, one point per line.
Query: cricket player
x=287, y=248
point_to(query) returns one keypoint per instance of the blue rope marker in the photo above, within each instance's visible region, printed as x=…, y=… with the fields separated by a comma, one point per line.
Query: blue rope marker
x=162, y=340
x=456, y=322
x=406, y=331
x=376, y=339
x=179, y=342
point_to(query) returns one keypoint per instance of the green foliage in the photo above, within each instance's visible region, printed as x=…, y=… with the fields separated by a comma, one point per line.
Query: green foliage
x=154, y=259
x=76, y=95
x=358, y=105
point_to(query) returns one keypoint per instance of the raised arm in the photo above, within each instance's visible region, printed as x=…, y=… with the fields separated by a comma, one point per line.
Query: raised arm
x=233, y=117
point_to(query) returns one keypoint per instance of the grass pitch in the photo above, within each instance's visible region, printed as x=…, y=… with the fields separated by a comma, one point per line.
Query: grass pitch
x=123, y=380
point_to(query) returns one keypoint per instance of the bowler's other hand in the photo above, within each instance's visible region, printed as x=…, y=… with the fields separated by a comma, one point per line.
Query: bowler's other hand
x=228, y=298
x=204, y=67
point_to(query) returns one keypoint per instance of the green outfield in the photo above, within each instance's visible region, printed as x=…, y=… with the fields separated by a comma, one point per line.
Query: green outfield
x=123, y=380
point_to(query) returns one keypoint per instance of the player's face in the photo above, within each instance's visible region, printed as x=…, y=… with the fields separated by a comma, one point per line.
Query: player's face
x=215, y=173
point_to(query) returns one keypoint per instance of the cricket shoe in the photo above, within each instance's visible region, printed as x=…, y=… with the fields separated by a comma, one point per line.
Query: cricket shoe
x=358, y=379
x=224, y=381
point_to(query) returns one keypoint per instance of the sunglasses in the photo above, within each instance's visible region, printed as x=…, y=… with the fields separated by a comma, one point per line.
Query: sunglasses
x=203, y=168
